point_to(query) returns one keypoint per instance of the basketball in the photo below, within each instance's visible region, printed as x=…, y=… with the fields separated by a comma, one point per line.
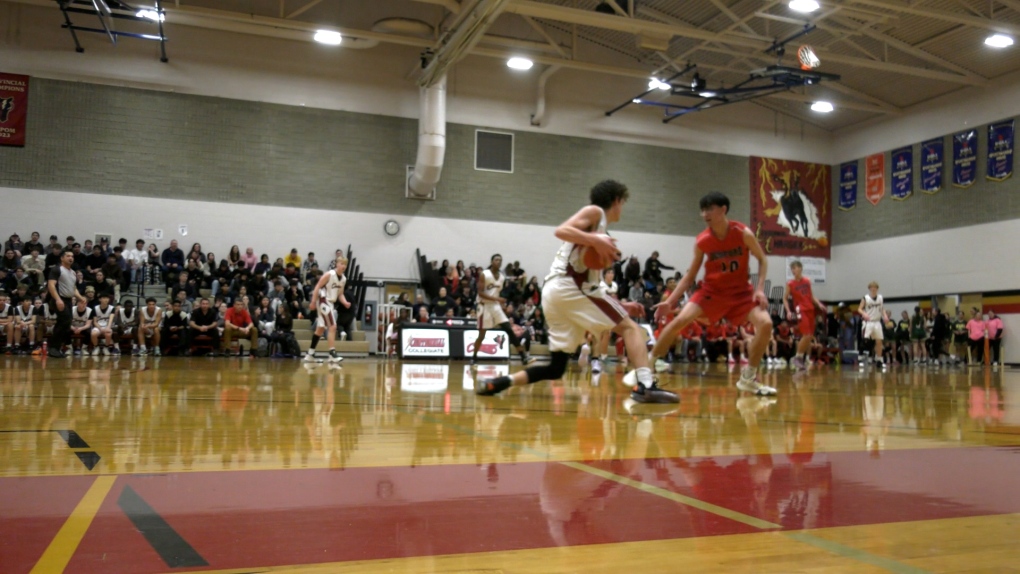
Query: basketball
x=592, y=259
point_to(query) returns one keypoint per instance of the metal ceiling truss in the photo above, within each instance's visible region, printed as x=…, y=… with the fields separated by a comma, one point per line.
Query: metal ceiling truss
x=107, y=11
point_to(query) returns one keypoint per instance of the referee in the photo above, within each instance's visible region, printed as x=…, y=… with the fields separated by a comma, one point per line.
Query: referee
x=61, y=283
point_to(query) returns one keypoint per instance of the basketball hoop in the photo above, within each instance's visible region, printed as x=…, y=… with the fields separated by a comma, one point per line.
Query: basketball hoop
x=807, y=58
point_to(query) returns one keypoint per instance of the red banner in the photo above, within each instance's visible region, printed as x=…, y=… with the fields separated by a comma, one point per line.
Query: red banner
x=13, y=109
x=791, y=206
x=874, y=176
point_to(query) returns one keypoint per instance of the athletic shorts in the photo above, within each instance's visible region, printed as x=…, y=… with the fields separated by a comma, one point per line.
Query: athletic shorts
x=806, y=324
x=326, y=316
x=491, y=316
x=733, y=306
x=571, y=311
x=873, y=330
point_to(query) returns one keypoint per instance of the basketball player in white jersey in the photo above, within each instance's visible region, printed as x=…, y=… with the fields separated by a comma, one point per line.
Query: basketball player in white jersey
x=81, y=324
x=127, y=322
x=102, y=325
x=574, y=302
x=149, y=319
x=327, y=292
x=24, y=326
x=873, y=311
x=490, y=309
x=7, y=322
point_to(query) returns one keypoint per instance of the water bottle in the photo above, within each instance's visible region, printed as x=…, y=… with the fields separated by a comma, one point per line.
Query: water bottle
x=45, y=347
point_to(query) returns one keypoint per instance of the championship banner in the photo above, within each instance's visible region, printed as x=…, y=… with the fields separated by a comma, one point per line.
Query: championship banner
x=902, y=173
x=874, y=177
x=13, y=109
x=791, y=212
x=964, y=158
x=932, y=159
x=1000, y=151
x=848, y=185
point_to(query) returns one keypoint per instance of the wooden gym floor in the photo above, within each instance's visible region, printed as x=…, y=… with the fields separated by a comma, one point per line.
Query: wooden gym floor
x=238, y=465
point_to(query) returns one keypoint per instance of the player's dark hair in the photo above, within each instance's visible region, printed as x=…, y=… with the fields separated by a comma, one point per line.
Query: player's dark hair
x=715, y=198
x=150, y=300
x=608, y=191
x=66, y=250
x=494, y=256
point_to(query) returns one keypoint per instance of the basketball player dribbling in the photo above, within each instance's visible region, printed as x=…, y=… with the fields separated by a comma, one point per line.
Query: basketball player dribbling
x=873, y=311
x=575, y=303
x=490, y=309
x=724, y=248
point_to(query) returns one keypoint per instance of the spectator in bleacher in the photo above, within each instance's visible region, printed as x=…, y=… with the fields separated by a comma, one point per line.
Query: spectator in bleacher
x=995, y=328
x=86, y=248
x=422, y=314
x=306, y=265
x=234, y=260
x=224, y=294
x=332, y=264
x=263, y=265
x=175, y=330
x=34, y=265
x=419, y=304
x=79, y=258
x=53, y=257
x=223, y=275
x=532, y=291
x=283, y=335
x=113, y=276
x=248, y=259
x=186, y=306
x=959, y=328
x=172, y=261
x=194, y=273
x=296, y=300
x=15, y=244
x=183, y=285
x=442, y=304
x=8, y=282
x=10, y=260
x=940, y=333
x=292, y=258
x=451, y=280
x=238, y=324
x=94, y=261
x=32, y=243
x=278, y=295
x=20, y=294
x=80, y=283
x=101, y=286
x=202, y=323
x=649, y=303
x=290, y=272
x=258, y=285
x=125, y=277
x=264, y=316
x=653, y=268
x=196, y=248
x=151, y=262
x=21, y=277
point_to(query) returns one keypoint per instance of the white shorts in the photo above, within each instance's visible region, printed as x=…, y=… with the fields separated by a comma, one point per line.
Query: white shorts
x=326, y=316
x=570, y=312
x=873, y=330
x=491, y=316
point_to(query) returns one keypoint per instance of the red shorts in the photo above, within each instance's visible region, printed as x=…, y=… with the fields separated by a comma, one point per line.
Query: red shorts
x=733, y=306
x=806, y=325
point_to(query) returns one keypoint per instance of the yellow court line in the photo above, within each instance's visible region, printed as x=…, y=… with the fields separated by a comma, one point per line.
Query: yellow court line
x=675, y=497
x=64, y=544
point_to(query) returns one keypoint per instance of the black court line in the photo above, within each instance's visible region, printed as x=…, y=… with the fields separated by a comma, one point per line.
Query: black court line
x=72, y=439
x=171, y=547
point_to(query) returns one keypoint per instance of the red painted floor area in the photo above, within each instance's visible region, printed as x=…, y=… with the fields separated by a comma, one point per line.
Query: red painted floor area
x=267, y=518
x=32, y=510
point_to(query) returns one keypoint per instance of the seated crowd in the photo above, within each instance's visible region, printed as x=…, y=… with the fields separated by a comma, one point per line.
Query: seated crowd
x=247, y=297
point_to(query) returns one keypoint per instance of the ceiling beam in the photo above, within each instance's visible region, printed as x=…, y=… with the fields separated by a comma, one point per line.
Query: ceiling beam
x=459, y=41
x=303, y=9
x=732, y=16
x=936, y=14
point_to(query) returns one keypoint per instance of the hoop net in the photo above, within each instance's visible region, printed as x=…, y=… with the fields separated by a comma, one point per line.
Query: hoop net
x=807, y=58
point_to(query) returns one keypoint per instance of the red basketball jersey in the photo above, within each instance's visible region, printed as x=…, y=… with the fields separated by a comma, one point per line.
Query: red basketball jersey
x=726, y=260
x=801, y=292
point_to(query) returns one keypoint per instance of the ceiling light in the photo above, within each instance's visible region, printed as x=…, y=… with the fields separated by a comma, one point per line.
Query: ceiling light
x=150, y=14
x=822, y=107
x=636, y=101
x=707, y=94
x=657, y=84
x=999, y=41
x=519, y=63
x=803, y=5
x=328, y=37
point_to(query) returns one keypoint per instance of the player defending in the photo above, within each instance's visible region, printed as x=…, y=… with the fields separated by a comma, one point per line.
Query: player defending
x=805, y=302
x=873, y=311
x=725, y=249
x=327, y=292
x=490, y=309
x=574, y=303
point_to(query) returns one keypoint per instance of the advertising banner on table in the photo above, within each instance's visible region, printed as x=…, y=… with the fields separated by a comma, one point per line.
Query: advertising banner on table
x=13, y=109
x=813, y=269
x=933, y=155
x=1000, y=151
x=902, y=172
x=425, y=342
x=496, y=344
x=791, y=206
x=874, y=177
x=848, y=185
x=964, y=158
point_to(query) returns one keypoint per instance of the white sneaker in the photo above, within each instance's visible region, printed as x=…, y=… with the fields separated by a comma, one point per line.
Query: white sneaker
x=781, y=363
x=106, y=351
x=749, y=383
x=310, y=358
x=596, y=366
x=582, y=359
x=661, y=366
x=95, y=352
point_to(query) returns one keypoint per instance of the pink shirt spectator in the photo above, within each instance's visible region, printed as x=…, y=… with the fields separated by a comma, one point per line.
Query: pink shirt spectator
x=976, y=329
x=993, y=325
x=249, y=259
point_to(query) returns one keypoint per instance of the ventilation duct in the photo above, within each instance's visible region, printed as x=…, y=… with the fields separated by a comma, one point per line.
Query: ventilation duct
x=428, y=165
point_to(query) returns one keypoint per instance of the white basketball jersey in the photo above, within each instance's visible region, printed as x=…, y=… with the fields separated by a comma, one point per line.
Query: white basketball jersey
x=23, y=315
x=5, y=311
x=104, y=318
x=146, y=318
x=568, y=261
x=491, y=286
x=78, y=318
x=611, y=288
x=873, y=308
x=126, y=319
x=334, y=285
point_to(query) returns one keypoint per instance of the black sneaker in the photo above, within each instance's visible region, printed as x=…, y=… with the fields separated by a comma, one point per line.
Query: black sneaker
x=491, y=386
x=653, y=394
x=55, y=353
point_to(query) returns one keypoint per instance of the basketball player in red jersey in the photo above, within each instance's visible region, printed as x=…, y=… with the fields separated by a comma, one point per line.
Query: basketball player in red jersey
x=804, y=300
x=725, y=249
